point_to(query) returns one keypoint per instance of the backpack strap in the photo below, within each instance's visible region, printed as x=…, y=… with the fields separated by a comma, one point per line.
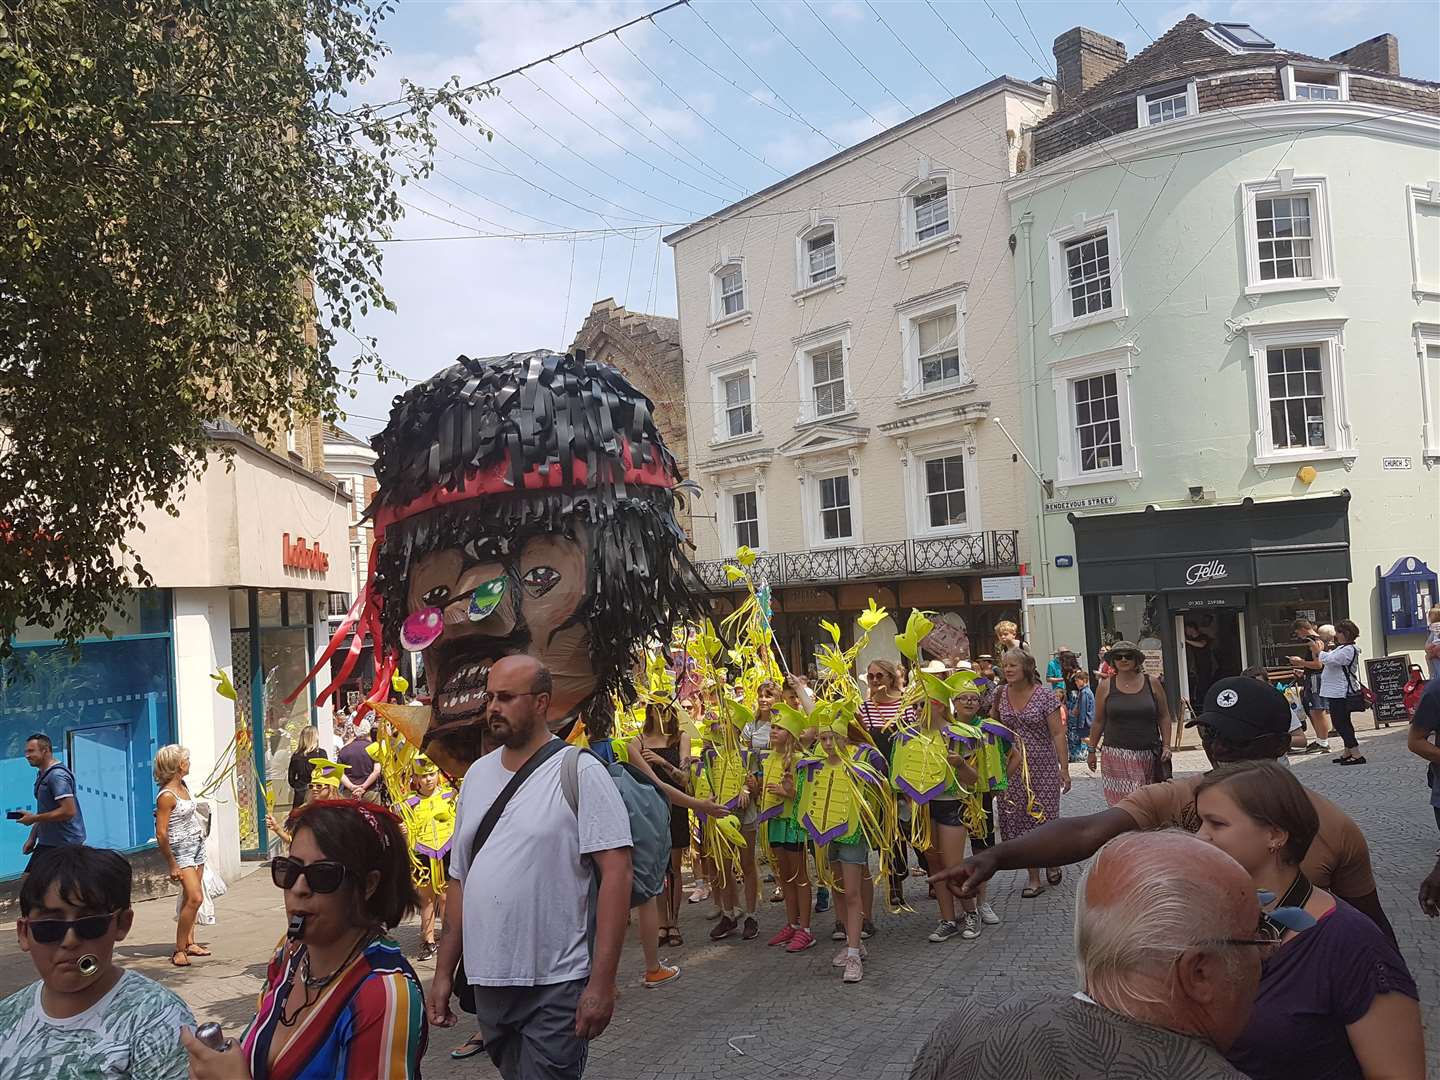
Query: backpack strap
x=570, y=778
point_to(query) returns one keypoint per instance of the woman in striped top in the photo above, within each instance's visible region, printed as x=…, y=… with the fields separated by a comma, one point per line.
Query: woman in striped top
x=340, y=1000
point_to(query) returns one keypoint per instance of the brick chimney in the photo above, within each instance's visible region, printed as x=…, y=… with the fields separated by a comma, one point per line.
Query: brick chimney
x=1083, y=58
x=1380, y=53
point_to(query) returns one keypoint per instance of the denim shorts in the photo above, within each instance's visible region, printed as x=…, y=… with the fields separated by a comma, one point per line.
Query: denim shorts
x=856, y=852
x=948, y=812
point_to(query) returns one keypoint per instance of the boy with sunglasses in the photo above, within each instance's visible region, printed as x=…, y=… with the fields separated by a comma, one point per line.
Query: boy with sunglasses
x=85, y=1017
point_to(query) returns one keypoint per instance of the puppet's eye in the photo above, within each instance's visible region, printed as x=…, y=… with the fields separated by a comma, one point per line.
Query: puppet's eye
x=436, y=597
x=539, y=580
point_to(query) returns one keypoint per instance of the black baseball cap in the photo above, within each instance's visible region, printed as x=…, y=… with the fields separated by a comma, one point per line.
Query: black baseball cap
x=1240, y=708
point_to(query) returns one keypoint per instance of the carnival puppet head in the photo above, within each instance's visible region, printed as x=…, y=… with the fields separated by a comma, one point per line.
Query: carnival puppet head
x=525, y=504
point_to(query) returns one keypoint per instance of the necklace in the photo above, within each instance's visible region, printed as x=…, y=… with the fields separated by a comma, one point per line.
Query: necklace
x=318, y=983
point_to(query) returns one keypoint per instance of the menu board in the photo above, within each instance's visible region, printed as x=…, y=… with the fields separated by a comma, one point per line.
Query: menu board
x=1386, y=677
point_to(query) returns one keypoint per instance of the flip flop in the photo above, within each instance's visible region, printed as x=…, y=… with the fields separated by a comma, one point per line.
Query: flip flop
x=1030, y=892
x=1053, y=876
x=471, y=1047
x=196, y=950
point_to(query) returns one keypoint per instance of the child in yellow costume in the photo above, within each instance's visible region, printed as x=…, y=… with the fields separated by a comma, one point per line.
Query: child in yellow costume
x=932, y=767
x=324, y=784
x=429, y=816
x=993, y=755
x=849, y=810
x=782, y=795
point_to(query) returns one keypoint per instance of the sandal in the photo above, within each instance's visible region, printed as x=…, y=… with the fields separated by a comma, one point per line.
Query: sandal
x=469, y=1048
x=1053, y=876
x=1030, y=892
x=673, y=939
x=1354, y=760
x=196, y=950
x=180, y=959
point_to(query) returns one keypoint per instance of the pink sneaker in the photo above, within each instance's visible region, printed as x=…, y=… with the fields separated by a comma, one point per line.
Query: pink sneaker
x=854, y=970
x=843, y=954
x=800, y=941
x=785, y=933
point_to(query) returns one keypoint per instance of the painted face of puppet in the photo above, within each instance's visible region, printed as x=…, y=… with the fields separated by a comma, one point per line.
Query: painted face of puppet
x=468, y=610
x=526, y=504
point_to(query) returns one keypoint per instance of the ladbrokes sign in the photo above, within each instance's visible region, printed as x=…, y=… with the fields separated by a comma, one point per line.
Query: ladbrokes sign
x=303, y=556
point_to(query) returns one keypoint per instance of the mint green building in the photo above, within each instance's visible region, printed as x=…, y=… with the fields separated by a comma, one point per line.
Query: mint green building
x=1227, y=266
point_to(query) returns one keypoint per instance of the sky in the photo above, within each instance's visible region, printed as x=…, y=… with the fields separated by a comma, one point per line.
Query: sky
x=603, y=151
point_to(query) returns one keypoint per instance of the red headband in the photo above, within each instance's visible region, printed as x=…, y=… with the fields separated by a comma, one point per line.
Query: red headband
x=371, y=812
x=494, y=479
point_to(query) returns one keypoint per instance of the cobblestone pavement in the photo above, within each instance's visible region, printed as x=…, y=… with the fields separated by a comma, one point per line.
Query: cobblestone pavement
x=743, y=1010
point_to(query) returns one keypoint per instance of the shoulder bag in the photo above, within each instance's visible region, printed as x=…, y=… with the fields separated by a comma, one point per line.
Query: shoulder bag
x=1355, y=696
x=463, y=990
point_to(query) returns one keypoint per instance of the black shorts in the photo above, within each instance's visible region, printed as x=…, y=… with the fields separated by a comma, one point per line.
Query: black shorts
x=788, y=847
x=947, y=812
x=38, y=850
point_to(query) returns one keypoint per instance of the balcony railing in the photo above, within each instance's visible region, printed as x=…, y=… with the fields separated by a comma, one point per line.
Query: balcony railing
x=992, y=550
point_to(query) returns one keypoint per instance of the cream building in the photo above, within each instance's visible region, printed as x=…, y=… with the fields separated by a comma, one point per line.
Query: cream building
x=849, y=345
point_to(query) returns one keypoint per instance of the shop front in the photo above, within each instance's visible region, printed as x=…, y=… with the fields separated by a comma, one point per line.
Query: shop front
x=1211, y=591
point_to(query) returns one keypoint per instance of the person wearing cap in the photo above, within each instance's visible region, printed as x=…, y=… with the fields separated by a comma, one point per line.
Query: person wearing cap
x=1336, y=999
x=1243, y=720
x=1132, y=722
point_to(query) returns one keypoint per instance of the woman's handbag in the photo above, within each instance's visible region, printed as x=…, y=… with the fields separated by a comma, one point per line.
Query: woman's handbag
x=1357, y=699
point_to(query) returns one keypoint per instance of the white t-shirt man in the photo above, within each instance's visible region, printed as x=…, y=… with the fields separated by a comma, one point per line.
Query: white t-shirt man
x=527, y=890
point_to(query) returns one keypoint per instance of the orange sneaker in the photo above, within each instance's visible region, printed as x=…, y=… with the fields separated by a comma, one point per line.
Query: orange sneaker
x=663, y=974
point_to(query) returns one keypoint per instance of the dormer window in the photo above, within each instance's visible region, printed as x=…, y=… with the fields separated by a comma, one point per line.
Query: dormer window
x=1315, y=84
x=1167, y=103
x=1239, y=37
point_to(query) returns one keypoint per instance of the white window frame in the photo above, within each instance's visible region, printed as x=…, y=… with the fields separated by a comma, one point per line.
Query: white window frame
x=1421, y=287
x=718, y=315
x=927, y=180
x=911, y=314
x=727, y=490
x=718, y=375
x=1322, y=246
x=1427, y=337
x=1063, y=376
x=1329, y=334
x=813, y=520
x=1292, y=77
x=1145, y=100
x=1061, y=318
x=917, y=493
x=804, y=285
x=805, y=349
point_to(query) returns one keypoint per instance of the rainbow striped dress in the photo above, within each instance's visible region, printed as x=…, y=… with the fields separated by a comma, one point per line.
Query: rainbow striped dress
x=369, y=1025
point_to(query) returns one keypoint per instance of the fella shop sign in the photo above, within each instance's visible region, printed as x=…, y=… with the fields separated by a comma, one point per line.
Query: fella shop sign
x=303, y=556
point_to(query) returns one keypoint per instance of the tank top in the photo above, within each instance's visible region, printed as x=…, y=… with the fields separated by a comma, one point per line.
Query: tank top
x=1132, y=721
x=185, y=823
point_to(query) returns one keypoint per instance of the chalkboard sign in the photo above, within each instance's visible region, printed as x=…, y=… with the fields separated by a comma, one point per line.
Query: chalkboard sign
x=1386, y=677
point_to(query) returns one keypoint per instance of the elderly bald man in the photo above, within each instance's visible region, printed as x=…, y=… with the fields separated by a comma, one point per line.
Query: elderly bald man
x=1168, y=957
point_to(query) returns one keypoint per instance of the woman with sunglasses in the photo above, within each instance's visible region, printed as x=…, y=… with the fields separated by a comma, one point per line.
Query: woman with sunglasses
x=85, y=1016
x=1132, y=721
x=1336, y=1001
x=340, y=999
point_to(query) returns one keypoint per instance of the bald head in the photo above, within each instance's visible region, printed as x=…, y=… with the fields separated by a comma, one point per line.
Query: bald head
x=519, y=699
x=1155, y=919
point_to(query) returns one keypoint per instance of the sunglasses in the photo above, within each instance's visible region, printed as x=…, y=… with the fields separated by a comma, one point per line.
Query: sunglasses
x=53, y=931
x=323, y=876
